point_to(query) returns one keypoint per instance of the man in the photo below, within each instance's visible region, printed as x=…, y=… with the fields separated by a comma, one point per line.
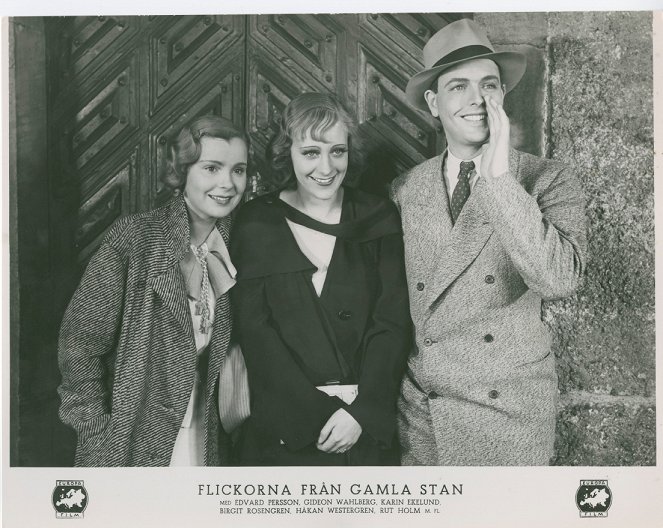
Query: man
x=489, y=232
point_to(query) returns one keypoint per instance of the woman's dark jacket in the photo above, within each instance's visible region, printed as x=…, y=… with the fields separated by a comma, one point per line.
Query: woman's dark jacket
x=357, y=331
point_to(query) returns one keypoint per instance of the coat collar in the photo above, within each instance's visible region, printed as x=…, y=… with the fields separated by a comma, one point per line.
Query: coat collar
x=263, y=230
x=167, y=281
x=176, y=228
x=362, y=219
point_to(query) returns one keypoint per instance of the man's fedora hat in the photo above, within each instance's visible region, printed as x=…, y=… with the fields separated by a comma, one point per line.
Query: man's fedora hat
x=459, y=42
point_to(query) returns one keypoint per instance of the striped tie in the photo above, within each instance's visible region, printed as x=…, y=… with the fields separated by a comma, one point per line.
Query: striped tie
x=462, y=190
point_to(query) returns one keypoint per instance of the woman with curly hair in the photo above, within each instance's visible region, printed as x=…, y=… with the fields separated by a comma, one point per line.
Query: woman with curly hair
x=145, y=335
x=321, y=301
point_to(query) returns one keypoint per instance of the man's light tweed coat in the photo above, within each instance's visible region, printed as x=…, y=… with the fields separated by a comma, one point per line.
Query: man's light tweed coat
x=127, y=352
x=481, y=384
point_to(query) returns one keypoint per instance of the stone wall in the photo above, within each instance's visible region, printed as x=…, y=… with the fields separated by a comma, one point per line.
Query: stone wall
x=587, y=100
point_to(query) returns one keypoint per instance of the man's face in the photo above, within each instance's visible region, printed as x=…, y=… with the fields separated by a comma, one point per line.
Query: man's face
x=460, y=104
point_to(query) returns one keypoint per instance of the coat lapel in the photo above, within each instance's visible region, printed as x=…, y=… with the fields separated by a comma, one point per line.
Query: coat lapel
x=460, y=245
x=167, y=281
x=428, y=220
x=440, y=217
x=220, y=339
x=467, y=238
x=170, y=288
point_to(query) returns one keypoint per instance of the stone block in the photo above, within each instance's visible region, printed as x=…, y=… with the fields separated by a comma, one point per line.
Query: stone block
x=601, y=125
x=593, y=434
x=526, y=103
x=515, y=28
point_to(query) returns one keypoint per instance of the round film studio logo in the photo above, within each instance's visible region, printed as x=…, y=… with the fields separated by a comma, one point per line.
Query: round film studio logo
x=593, y=498
x=69, y=499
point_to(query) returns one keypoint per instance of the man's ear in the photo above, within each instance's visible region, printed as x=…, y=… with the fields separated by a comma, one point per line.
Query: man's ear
x=431, y=100
x=503, y=90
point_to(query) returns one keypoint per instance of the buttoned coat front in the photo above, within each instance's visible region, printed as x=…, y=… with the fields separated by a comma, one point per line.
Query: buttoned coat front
x=127, y=352
x=293, y=339
x=482, y=376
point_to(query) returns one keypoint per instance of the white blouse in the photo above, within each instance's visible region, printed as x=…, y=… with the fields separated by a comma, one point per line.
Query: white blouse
x=189, y=447
x=318, y=248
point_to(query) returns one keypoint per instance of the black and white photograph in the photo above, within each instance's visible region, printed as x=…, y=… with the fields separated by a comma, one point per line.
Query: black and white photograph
x=239, y=247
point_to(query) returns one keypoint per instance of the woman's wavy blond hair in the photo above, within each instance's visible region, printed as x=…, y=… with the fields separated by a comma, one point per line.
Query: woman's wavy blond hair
x=184, y=149
x=313, y=113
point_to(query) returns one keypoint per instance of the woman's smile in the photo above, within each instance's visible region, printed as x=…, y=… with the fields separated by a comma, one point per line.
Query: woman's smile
x=320, y=164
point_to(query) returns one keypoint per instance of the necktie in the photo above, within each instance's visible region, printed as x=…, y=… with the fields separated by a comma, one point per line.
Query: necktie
x=462, y=189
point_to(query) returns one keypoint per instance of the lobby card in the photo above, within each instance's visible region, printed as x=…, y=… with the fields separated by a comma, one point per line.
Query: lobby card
x=591, y=99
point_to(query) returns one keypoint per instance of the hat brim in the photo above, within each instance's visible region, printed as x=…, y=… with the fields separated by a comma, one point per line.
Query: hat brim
x=512, y=68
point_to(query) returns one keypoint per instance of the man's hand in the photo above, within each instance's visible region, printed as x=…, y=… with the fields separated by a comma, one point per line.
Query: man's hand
x=339, y=434
x=495, y=160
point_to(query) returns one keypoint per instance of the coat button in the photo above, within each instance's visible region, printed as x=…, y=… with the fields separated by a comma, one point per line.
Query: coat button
x=428, y=341
x=432, y=395
x=420, y=286
x=493, y=394
x=489, y=279
x=345, y=315
x=488, y=338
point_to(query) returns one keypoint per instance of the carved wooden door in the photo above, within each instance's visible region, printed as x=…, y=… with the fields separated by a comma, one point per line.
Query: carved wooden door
x=366, y=59
x=118, y=86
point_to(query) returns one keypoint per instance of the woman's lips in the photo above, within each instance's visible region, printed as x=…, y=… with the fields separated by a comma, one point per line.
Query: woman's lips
x=223, y=200
x=323, y=181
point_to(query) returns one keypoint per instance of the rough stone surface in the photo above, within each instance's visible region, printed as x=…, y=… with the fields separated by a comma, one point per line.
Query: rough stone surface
x=614, y=435
x=601, y=124
x=525, y=104
x=515, y=28
x=595, y=102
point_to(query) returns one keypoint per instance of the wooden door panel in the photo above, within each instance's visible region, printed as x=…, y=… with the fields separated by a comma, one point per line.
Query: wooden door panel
x=221, y=95
x=365, y=59
x=96, y=40
x=287, y=55
x=403, y=35
x=389, y=50
x=98, y=213
x=94, y=132
x=269, y=91
x=119, y=87
x=185, y=51
x=196, y=68
x=303, y=46
x=106, y=121
x=385, y=112
x=78, y=46
x=93, y=99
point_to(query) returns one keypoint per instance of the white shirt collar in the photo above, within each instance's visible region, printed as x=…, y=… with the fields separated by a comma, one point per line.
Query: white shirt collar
x=452, y=168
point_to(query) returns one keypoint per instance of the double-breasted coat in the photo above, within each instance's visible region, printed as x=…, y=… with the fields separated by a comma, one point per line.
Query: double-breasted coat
x=127, y=352
x=481, y=386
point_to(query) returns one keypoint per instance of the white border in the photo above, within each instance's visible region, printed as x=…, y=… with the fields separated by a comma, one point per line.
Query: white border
x=162, y=7
x=492, y=496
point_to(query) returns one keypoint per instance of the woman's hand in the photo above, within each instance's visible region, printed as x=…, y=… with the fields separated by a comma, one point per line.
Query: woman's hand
x=339, y=434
